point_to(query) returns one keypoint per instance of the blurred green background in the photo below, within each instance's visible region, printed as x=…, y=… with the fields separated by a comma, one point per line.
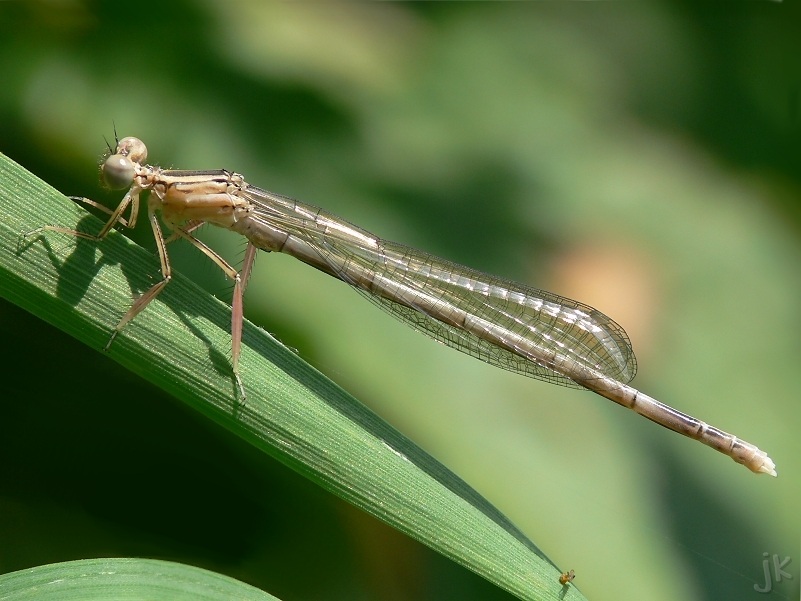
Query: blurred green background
x=641, y=157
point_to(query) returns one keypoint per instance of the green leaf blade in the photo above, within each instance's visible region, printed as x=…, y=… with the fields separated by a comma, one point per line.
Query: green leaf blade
x=124, y=579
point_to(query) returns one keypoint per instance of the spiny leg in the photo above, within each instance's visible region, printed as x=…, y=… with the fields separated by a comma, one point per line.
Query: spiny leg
x=131, y=198
x=237, y=311
x=166, y=275
x=237, y=308
x=93, y=203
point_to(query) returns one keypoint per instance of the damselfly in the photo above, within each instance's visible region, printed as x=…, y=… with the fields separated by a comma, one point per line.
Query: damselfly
x=509, y=325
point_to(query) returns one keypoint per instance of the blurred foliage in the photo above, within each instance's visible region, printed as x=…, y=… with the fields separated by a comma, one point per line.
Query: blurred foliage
x=641, y=157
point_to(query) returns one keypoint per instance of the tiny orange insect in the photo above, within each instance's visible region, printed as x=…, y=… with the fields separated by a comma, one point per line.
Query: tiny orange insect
x=567, y=577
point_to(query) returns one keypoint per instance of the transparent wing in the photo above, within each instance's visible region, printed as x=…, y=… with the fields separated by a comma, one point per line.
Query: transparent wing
x=551, y=321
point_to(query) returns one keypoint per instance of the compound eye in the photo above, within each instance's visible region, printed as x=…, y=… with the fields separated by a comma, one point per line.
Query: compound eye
x=118, y=171
x=133, y=148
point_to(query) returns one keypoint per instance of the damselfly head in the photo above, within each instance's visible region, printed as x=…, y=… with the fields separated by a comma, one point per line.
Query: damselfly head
x=120, y=168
